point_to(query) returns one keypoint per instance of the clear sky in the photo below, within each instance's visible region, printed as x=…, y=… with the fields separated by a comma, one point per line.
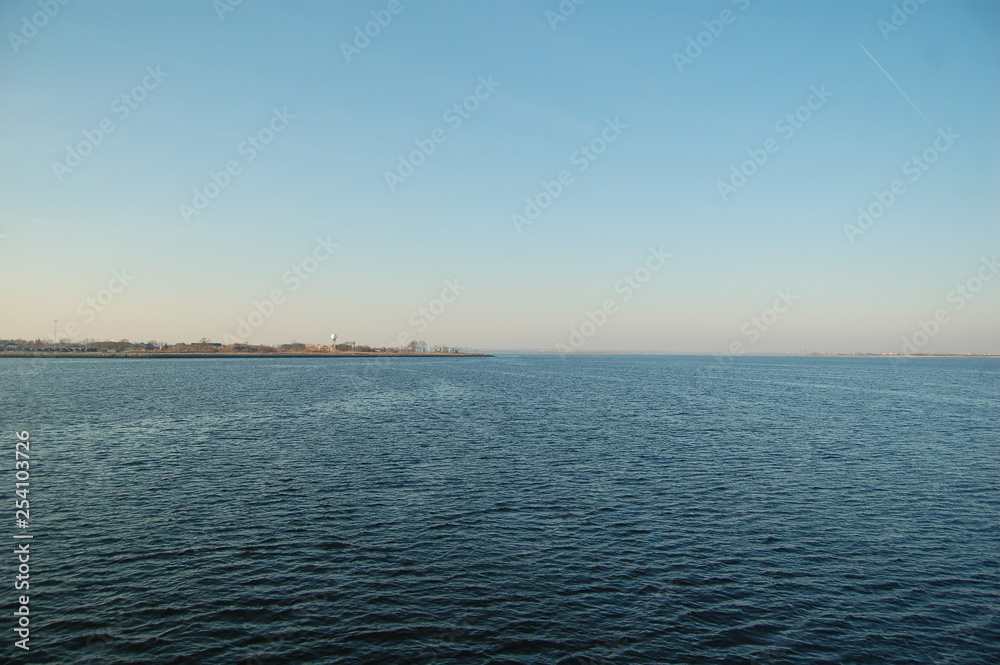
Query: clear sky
x=626, y=123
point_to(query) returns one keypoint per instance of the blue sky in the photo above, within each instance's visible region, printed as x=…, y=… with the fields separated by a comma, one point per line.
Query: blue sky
x=344, y=121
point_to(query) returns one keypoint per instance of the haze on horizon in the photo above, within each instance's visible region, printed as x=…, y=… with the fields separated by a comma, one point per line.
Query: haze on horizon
x=683, y=176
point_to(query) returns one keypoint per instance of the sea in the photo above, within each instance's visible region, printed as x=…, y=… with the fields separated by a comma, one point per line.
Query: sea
x=517, y=509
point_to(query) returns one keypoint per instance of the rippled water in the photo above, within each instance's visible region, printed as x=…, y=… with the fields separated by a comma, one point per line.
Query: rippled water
x=527, y=509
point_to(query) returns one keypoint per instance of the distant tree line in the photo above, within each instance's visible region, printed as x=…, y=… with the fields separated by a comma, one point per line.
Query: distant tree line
x=204, y=345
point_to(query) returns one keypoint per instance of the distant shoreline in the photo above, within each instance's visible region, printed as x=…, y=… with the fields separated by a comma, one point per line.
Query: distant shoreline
x=145, y=355
x=437, y=354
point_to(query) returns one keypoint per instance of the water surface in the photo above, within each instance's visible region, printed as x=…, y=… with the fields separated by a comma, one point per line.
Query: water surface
x=518, y=509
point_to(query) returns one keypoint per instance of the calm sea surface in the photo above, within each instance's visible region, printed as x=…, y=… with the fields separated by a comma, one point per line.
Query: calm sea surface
x=518, y=509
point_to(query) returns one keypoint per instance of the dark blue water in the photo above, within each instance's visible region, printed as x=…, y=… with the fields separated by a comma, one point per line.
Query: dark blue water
x=508, y=510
